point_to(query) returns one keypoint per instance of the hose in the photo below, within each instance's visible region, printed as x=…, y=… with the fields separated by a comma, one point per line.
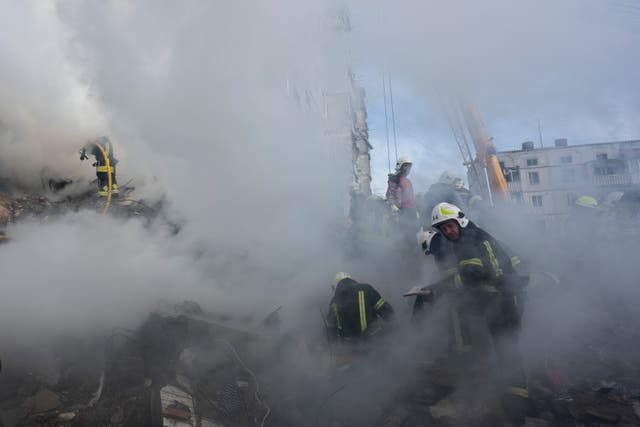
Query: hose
x=109, y=179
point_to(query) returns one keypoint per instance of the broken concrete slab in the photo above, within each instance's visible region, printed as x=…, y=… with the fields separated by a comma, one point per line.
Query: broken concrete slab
x=177, y=407
x=45, y=400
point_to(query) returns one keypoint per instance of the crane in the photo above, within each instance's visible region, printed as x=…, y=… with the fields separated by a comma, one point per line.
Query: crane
x=485, y=167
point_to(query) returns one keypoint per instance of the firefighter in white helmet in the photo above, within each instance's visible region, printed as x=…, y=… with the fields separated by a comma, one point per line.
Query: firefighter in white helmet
x=444, y=190
x=487, y=280
x=355, y=309
x=400, y=197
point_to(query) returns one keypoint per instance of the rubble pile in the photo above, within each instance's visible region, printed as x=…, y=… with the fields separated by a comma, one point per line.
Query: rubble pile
x=181, y=368
x=15, y=207
x=185, y=367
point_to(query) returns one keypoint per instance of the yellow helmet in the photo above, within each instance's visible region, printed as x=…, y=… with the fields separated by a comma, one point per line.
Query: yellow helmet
x=586, y=202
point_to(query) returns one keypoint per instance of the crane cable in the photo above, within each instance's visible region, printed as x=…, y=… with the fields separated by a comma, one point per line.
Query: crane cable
x=393, y=117
x=386, y=119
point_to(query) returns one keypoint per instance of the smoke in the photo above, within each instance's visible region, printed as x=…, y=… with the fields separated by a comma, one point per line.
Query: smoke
x=202, y=104
x=222, y=110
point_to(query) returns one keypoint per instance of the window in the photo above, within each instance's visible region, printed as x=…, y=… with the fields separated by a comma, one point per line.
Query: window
x=536, y=201
x=532, y=162
x=602, y=170
x=502, y=165
x=512, y=175
x=566, y=159
x=569, y=175
x=602, y=156
x=534, y=178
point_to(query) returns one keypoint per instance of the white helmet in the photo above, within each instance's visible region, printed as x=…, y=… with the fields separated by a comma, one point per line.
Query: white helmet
x=402, y=161
x=424, y=239
x=447, y=177
x=340, y=276
x=444, y=212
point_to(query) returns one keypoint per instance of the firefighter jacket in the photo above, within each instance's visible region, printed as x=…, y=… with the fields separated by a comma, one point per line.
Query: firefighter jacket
x=107, y=146
x=400, y=192
x=108, y=149
x=354, y=310
x=439, y=193
x=483, y=265
x=464, y=195
x=482, y=261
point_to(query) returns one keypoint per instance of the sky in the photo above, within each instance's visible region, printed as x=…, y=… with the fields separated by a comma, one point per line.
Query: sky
x=567, y=65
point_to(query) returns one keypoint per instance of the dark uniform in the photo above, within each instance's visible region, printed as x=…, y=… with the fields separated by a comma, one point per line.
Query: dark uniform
x=102, y=172
x=354, y=310
x=464, y=195
x=458, y=320
x=487, y=284
x=442, y=251
x=438, y=193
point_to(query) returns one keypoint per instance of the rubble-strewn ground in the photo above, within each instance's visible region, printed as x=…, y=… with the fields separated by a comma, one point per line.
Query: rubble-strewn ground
x=185, y=366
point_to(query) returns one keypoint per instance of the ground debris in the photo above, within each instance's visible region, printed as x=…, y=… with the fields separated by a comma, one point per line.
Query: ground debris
x=176, y=367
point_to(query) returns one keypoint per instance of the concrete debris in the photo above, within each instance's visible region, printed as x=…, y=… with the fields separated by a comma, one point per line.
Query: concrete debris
x=96, y=396
x=15, y=208
x=45, y=400
x=5, y=215
x=67, y=416
x=187, y=367
x=175, y=370
x=177, y=407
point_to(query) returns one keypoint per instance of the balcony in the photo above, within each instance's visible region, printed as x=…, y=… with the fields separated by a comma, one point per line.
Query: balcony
x=616, y=179
x=514, y=186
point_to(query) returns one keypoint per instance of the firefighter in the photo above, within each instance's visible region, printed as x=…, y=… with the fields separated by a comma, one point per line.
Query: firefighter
x=488, y=284
x=442, y=191
x=463, y=193
x=433, y=243
x=355, y=310
x=102, y=171
x=400, y=196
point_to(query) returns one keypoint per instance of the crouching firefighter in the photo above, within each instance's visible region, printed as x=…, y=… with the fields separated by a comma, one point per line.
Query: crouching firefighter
x=435, y=245
x=102, y=150
x=355, y=310
x=487, y=284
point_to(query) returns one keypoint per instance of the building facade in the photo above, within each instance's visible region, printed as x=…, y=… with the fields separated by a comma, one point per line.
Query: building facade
x=549, y=180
